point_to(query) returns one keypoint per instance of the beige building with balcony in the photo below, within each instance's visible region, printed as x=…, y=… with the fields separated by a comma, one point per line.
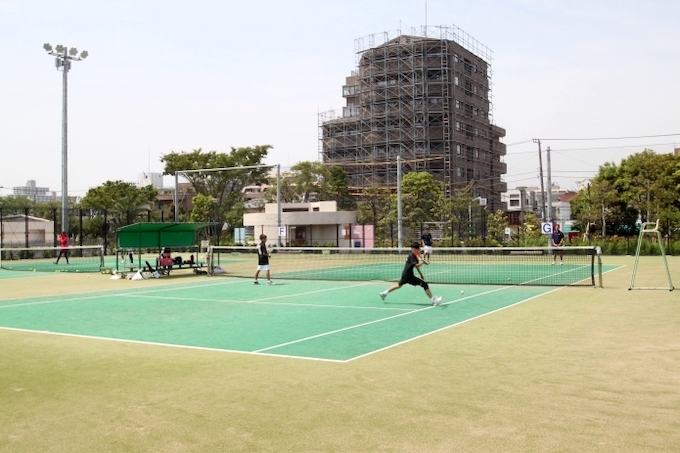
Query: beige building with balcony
x=306, y=224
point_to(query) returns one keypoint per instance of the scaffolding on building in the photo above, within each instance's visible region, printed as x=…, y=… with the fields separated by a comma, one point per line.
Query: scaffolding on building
x=424, y=96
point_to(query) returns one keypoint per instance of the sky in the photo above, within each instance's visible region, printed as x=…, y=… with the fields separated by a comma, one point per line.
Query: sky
x=169, y=76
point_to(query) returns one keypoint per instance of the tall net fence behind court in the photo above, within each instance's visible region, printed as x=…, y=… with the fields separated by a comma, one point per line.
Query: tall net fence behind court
x=87, y=258
x=457, y=265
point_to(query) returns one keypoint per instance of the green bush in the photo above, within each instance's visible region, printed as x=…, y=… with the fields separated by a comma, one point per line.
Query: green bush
x=26, y=254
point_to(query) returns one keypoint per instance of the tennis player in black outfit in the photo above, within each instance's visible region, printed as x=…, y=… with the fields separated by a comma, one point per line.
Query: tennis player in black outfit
x=263, y=260
x=426, y=240
x=557, y=240
x=413, y=262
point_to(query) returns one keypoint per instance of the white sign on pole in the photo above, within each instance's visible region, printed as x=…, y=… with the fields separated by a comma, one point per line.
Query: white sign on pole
x=282, y=232
x=546, y=227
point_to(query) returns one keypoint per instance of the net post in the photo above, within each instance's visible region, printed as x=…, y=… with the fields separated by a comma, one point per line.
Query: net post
x=598, y=252
x=209, y=259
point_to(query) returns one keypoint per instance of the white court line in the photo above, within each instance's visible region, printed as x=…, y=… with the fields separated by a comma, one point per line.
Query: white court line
x=546, y=277
x=452, y=325
x=110, y=293
x=170, y=345
x=312, y=337
x=270, y=300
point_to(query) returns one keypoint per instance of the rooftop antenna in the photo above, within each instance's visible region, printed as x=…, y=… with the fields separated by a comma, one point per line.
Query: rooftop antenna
x=426, y=18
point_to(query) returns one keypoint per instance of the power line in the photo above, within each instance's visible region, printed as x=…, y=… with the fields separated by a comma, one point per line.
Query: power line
x=519, y=143
x=610, y=138
x=597, y=148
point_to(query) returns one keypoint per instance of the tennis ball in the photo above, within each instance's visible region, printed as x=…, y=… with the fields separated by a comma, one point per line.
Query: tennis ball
x=462, y=292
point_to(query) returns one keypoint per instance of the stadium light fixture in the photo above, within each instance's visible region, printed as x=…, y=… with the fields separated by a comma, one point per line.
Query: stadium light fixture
x=63, y=58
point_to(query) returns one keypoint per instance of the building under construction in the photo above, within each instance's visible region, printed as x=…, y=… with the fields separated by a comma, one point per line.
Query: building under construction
x=424, y=96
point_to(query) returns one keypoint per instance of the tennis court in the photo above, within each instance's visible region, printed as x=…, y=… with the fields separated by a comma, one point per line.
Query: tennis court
x=324, y=306
x=335, y=321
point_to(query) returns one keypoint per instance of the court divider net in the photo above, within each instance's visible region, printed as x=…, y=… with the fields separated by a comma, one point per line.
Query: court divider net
x=569, y=266
x=85, y=258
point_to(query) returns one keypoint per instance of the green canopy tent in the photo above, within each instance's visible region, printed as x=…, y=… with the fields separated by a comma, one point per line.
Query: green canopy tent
x=156, y=235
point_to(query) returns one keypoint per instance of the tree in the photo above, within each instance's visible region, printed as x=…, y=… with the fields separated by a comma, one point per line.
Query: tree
x=373, y=209
x=496, y=223
x=224, y=186
x=338, y=189
x=644, y=183
x=454, y=210
x=205, y=209
x=312, y=181
x=306, y=181
x=123, y=201
x=530, y=230
x=647, y=181
x=421, y=197
x=12, y=205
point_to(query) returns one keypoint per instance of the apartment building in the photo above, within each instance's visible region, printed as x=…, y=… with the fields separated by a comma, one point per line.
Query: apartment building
x=425, y=98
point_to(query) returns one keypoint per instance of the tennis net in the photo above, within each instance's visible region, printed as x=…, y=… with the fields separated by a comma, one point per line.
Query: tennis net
x=456, y=265
x=85, y=258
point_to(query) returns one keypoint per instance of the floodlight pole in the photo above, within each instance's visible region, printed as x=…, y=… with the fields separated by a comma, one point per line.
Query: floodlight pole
x=64, y=56
x=278, y=203
x=400, y=220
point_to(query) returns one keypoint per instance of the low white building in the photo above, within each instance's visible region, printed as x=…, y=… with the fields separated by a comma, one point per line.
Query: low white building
x=307, y=224
x=16, y=229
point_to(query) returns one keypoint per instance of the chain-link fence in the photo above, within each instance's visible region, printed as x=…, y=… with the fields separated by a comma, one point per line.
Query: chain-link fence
x=40, y=227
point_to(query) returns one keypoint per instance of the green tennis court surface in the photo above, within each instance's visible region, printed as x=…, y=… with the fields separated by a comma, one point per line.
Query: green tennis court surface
x=336, y=321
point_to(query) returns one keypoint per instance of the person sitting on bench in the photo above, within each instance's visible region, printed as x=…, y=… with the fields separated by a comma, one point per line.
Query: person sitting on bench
x=165, y=259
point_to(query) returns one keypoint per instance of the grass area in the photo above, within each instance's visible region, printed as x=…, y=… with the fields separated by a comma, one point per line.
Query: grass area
x=578, y=369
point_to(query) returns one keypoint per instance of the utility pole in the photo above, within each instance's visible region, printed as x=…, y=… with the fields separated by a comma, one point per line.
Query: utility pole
x=64, y=57
x=540, y=170
x=522, y=191
x=549, y=191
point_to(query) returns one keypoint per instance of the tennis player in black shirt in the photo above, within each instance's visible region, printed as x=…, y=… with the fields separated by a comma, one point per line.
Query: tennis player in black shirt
x=413, y=262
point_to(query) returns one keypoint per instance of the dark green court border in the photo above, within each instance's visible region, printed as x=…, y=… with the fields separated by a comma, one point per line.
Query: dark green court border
x=337, y=321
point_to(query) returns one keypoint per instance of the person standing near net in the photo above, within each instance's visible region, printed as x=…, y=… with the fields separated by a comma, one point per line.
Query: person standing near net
x=263, y=260
x=63, y=248
x=557, y=242
x=426, y=241
x=413, y=262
